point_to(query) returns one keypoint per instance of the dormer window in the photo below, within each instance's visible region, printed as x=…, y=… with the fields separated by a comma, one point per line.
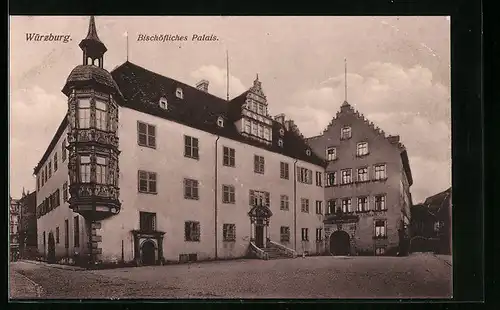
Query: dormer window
x=282, y=132
x=178, y=93
x=220, y=122
x=308, y=152
x=280, y=142
x=163, y=103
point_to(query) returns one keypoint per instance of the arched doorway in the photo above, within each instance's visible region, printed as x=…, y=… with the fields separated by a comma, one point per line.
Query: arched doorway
x=340, y=243
x=148, y=253
x=259, y=223
x=51, y=249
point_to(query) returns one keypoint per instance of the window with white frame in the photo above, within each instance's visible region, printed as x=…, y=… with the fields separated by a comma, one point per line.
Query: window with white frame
x=191, y=147
x=229, y=232
x=191, y=189
x=229, y=157
x=146, y=135
x=332, y=206
x=178, y=93
x=304, y=175
x=319, y=207
x=280, y=142
x=331, y=178
x=85, y=169
x=284, y=203
x=331, y=153
x=346, y=205
x=305, y=234
x=147, y=182
x=363, y=174
x=65, y=191
x=284, y=234
x=304, y=205
x=101, y=115
x=259, y=164
x=228, y=195
x=284, y=171
x=163, y=103
x=319, y=178
x=248, y=126
x=191, y=231
x=380, y=228
x=346, y=176
x=380, y=172
x=362, y=149
x=380, y=202
x=220, y=121
x=55, y=162
x=345, y=133
x=100, y=170
x=362, y=204
x=84, y=113
x=50, y=169
x=257, y=198
x=319, y=234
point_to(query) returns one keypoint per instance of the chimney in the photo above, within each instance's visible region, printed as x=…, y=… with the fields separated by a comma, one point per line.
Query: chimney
x=280, y=118
x=202, y=85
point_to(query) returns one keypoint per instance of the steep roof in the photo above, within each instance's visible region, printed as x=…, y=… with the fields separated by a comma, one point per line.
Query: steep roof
x=438, y=200
x=394, y=140
x=142, y=88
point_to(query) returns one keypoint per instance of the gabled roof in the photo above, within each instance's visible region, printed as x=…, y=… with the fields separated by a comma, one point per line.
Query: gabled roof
x=438, y=200
x=142, y=88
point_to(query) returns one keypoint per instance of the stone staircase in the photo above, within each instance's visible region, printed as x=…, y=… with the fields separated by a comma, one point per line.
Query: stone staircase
x=274, y=253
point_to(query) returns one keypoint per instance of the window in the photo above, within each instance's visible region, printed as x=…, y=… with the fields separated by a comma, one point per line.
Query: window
x=191, y=147
x=84, y=113
x=346, y=176
x=380, y=172
x=304, y=205
x=282, y=132
x=284, y=234
x=261, y=109
x=284, y=171
x=331, y=178
x=220, y=122
x=318, y=178
x=100, y=170
x=362, y=149
x=191, y=189
x=438, y=226
x=63, y=150
x=380, y=227
x=346, y=205
x=85, y=169
x=229, y=232
x=261, y=131
x=50, y=169
x=178, y=93
x=65, y=191
x=258, y=164
x=332, y=203
x=192, y=231
x=284, y=203
x=280, y=142
x=66, y=234
x=101, y=118
x=305, y=234
x=228, y=194
x=38, y=182
x=259, y=198
x=319, y=207
x=228, y=158
x=319, y=234
x=267, y=135
x=363, y=174
x=44, y=242
x=146, y=135
x=254, y=128
x=57, y=198
x=76, y=232
x=345, y=133
x=379, y=251
x=362, y=204
x=304, y=175
x=55, y=162
x=331, y=153
x=248, y=126
x=147, y=221
x=380, y=202
x=163, y=103
x=57, y=235
x=147, y=182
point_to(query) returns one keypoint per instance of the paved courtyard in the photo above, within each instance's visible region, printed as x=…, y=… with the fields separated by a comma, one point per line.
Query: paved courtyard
x=416, y=276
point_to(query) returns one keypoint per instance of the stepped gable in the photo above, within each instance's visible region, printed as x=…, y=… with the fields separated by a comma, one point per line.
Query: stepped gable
x=142, y=89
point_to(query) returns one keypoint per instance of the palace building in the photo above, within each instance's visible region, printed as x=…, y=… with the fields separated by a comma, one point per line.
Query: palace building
x=147, y=169
x=367, y=186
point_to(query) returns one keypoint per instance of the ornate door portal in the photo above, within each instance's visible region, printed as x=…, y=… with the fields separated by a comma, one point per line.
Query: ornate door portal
x=259, y=223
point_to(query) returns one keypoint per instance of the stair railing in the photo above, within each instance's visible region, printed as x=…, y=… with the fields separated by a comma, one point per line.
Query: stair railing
x=282, y=249
x=255, y=251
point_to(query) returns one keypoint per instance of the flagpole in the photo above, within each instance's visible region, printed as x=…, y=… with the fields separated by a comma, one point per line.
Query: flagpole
x=127, y=44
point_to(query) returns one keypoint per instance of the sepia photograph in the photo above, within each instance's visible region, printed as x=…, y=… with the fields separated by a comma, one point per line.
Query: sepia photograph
x=230, y=157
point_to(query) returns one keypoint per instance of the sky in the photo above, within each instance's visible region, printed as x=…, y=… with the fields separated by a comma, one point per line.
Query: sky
x=398, y=75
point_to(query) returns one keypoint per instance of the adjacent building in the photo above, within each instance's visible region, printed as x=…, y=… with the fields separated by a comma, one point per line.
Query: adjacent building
x=431, y=221
x=367, y=186
x=14, y=228
x=27, y=225
x=147, y=169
